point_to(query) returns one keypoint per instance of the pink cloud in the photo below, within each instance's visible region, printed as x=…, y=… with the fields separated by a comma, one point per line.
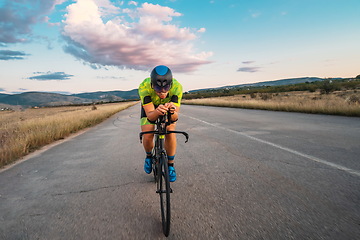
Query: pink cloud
x=149, y=39
x=17, y=18
x=202, y=30
x=159, y=12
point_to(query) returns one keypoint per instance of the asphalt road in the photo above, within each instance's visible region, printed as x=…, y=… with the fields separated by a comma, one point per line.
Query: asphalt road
x=244, y=174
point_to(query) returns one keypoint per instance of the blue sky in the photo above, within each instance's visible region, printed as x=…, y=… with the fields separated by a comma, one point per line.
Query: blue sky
x=102, y=45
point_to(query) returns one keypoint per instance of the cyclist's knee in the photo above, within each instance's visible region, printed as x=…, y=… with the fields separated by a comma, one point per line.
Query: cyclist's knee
x=171, y=127
x=148, y=137
x=170, y=137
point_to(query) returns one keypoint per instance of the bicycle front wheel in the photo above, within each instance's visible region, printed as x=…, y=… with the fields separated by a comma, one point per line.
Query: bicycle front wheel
x=164, y=191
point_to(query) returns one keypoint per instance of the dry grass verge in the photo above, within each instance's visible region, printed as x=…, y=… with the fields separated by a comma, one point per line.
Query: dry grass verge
x=22, y=132
x=346, y=103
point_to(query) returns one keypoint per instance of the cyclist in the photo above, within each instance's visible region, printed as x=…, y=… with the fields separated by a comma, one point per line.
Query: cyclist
x=159, y=94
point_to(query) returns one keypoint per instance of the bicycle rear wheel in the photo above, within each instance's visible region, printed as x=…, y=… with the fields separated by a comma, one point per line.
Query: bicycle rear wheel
x=164, y=191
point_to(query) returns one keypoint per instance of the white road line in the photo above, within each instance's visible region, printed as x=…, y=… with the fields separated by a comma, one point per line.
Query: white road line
x=315, y=159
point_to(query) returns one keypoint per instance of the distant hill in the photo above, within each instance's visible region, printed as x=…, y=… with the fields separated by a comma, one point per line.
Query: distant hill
x=3, y=95
x=31, y=99
x=40, y=99
x=280, y=82
x=110, y=95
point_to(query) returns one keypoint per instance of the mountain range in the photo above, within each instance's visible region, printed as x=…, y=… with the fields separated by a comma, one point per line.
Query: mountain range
x=280, y=82
x=40, y=99
x=31, y=99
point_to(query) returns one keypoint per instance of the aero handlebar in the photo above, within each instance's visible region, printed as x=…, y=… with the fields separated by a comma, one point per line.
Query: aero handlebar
x=162, y=122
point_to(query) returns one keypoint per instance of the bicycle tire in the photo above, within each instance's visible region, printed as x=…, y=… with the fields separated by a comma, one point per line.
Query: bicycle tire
x=164, y=191
x=155, y=171
x=155, y=160
x=155, y=167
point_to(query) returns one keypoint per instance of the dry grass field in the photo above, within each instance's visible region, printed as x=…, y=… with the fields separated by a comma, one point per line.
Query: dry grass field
x=22, y=132
x=346, y=103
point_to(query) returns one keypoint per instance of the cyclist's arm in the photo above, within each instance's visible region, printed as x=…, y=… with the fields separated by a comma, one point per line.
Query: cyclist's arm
x=152, y=113
x=175, y=100
x=174, y=111
x=175, y=116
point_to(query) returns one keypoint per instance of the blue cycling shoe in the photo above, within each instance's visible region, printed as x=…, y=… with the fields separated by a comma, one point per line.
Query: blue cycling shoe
x=148, y=165
x=172, y=174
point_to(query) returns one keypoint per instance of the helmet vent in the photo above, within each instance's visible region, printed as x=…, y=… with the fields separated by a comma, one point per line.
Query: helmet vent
x=161, y=70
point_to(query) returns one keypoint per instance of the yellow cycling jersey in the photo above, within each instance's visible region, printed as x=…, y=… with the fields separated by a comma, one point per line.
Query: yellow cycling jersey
x=148, y=95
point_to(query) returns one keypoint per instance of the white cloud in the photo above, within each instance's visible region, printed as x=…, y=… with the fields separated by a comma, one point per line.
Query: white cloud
x=148, y=40
x=255, y=14
x=202, y=30
x=106, y=7
x=59, y=1
x=159, y=12
x=133, y=3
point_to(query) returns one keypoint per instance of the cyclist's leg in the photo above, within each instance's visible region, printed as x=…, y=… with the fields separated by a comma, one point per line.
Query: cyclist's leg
x=170, y=146
x=170, y=142
x=148, y=142
x=146, y=125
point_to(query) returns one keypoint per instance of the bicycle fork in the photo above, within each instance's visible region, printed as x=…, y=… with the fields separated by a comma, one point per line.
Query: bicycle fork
x=162, y=158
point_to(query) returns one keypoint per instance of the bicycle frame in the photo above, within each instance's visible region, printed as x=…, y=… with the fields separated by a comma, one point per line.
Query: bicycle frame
x=160, y=167
x=160, y=132
x=161, y=129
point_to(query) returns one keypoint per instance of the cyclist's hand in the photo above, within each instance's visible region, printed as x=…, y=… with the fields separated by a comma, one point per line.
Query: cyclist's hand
x=161, y=109
x=171, y=107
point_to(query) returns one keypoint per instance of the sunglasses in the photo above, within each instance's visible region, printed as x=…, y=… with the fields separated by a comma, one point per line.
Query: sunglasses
x=162, y=89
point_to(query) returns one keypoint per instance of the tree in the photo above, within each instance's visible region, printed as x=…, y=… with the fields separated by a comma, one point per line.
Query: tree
x=326, y=87
x=358, y=77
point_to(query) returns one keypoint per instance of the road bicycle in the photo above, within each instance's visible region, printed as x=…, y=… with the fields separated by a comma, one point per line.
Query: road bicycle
x=161, y=169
